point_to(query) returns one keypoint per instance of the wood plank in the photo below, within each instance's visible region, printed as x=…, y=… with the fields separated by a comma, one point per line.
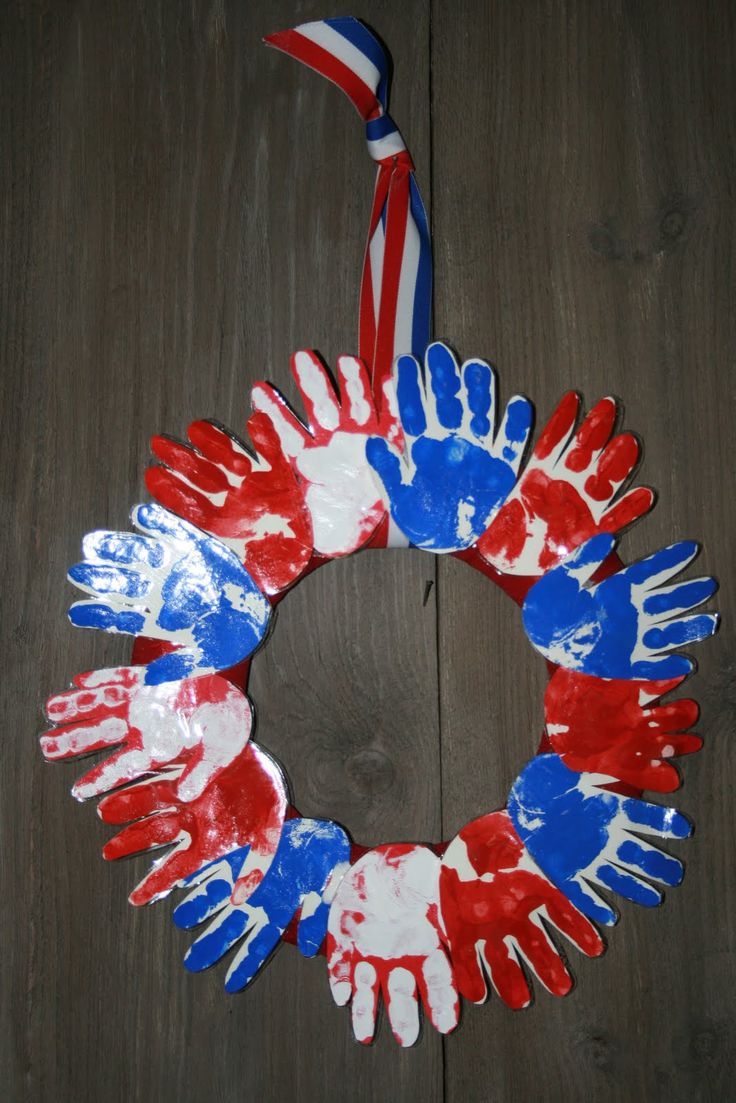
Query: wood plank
x=184, y=208
x=583, y=161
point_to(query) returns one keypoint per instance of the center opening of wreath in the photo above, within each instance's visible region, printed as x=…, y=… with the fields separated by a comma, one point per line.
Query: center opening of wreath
x=400, y=694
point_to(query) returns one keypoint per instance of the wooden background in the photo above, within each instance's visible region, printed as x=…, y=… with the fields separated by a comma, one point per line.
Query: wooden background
x=181, y=209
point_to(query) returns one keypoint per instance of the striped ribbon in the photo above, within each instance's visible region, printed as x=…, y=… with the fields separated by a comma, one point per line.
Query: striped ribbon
x=396, y=287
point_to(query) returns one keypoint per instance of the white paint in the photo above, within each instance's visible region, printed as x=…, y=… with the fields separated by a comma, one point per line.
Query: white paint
x=354, y=379
x=313, y=386
x=381, y=914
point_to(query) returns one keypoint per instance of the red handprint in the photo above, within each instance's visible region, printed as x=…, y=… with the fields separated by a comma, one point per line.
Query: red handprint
x=565, y=493
x=493, y=901
x=611, y=727
x=244, y=805
x=253, y=503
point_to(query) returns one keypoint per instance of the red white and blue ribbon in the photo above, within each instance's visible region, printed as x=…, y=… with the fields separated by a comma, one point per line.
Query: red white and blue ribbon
x=396, y=287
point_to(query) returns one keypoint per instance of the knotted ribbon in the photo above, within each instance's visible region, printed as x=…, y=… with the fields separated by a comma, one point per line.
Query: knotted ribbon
x=396, y=286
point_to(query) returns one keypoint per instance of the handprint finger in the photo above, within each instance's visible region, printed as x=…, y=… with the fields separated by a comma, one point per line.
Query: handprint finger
x=222, y=447
x=677, y=632
x=266, y=440
x=137, y=801
x=513, y=434
x=480, y=388
x=557, y=432
x=251, y=957
x=592, y=435
x=189, y=464
x=633, y=505
x=438, y=992
x=123, y=548
x=469, y=976
x=365, y=1001
x=574, y=925
x=544, y=960
x=145, y=835
x=176, y=495
x=151, y=517
x=385, y=463
x=112, y=681
x=581, y=893
x=92, y=614
x=82, y=739
x=410, y=396
x=90, y=703
x=656, y=569
x=402, y=1006
x=640, y=857
x=227, y=929
x=679, y=598
x=93, y=578
x=126, y=765
x=443, y=387
x=631, y=888
x=507, y=975
x=655, y=819
x=317, y=391
x=291, y=433
x=355, y=390
x=214, y=887
x=613, y=467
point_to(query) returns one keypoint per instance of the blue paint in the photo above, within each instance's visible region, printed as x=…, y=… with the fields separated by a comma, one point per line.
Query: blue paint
x=206, y=595
x=595, y=629
x=567, y=832
x=123, y=547
x=444, y=380
x=409, y=396
x=479, y=386
x=88, y=614
x=457, y=483
x=308, y=854
x=109, y=580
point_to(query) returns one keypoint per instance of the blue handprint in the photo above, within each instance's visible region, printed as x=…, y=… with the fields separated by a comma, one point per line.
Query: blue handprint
x=176, y=583
x=581, y=835
x=457, y=472
x=618, y=628
x=306, y=870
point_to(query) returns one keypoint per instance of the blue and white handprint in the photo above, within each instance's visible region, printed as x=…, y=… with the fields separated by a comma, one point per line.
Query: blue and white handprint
x=581, y=835
x=306, y=871
x=177, y=584
x=620, y=627
x=456, y=471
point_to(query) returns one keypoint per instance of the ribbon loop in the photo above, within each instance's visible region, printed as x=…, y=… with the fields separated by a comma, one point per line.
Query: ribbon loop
x=396, y=287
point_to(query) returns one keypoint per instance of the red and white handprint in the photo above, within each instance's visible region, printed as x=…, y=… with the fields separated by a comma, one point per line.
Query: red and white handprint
x=200, y=723
x=243, y=805
x=253, y=503
x=384, y=936
x=494, y=903
x=329, y=456
x=616, y=728
x=566, y=492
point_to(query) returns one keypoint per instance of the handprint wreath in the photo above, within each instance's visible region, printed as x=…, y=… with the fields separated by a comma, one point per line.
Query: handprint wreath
x=235, y=529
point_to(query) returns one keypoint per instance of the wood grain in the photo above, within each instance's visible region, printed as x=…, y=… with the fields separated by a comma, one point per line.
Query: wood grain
x=182, y=208
x=585, y=240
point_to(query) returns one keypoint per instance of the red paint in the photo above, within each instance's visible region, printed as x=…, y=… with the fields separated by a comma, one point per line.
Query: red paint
x=617, y=728
x=554, y=508
x=244, y=804
x=252, y=497
x=480, y=914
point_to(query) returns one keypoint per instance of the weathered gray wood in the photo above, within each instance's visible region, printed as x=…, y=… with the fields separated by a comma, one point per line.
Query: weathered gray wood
x=186, y=208
x=584, y=229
